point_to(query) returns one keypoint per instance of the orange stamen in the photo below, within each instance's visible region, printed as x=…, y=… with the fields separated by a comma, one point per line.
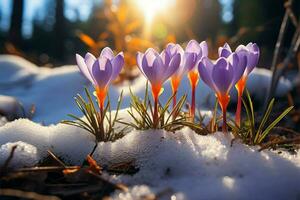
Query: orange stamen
x=194, y=79
x=240, y=86
x=101, y=95
x=175, y=81
x=156, y=91
x=223, y=102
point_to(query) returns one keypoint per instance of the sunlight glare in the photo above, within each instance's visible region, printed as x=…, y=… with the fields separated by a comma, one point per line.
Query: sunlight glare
x=152, y=7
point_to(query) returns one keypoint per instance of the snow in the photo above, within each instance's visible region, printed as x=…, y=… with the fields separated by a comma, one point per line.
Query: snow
x=69, y=142
x=188, y=165
x=24, y=155
x=10, y=107
x=16, y=70
x=181, y=165
x=52, y=90
x=205, y=167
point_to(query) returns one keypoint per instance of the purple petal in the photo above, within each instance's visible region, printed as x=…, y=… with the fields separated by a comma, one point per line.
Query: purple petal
x=238, y=61
x=189, y=61
x=139, y=59
x=222, y=75
x=252, y=58
x=89, y=60
x=84, y=68
x=205, y=68
x=252, y=55
x=150, y=56
x=102, y=72
x=166, y=57
x=176, y=49
x=170, y=48
x=107, y=53
x=117, y=64
x=241, y=48
x=224, y=51
x=204, y=49
x=152, y=71
x=193, y=47
x=173, y=66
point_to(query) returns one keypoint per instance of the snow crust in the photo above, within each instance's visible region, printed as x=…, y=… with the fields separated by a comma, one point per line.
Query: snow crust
x=187, y=165
x=204, y=167
x=24, y=155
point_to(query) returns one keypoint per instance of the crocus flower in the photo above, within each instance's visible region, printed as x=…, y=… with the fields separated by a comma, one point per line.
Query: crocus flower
x=251, y=51
x=188, y=60
x=101, y=71
x=157, y=68
x=194, y=52
x=221, y=76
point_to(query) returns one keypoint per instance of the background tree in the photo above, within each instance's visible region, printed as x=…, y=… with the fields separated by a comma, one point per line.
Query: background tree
x=60, y=30
x=15, y=30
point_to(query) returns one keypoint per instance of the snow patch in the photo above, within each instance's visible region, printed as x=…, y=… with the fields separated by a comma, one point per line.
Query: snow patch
x=24, y=154
x=188, y=165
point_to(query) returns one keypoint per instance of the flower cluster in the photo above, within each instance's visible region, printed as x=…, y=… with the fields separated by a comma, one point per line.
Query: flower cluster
x=229, y=70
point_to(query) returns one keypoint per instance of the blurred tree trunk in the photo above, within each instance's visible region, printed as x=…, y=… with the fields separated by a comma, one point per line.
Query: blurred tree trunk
x=15, y=30
x=59, y=30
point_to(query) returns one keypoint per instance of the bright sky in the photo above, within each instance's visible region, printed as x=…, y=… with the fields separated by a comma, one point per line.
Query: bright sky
x=36, y=9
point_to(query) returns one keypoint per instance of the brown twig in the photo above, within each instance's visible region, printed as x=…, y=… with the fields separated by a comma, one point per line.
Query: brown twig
x=291, y=53
x=291, y=14
x=56, y=158
x=46, y=169
x=277, y=50
x=280, y=141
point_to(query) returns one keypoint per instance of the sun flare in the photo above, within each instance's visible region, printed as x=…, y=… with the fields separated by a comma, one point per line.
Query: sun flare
x=152, y=7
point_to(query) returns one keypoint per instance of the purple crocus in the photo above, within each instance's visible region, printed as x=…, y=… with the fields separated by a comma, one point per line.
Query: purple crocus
x=157, y=68
x=101, y=71
x=221, y=76
x=194, y=52
x=251, y=51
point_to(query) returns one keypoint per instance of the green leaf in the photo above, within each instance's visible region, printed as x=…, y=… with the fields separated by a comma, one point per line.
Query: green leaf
x=264, y=120
x=274, y=123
